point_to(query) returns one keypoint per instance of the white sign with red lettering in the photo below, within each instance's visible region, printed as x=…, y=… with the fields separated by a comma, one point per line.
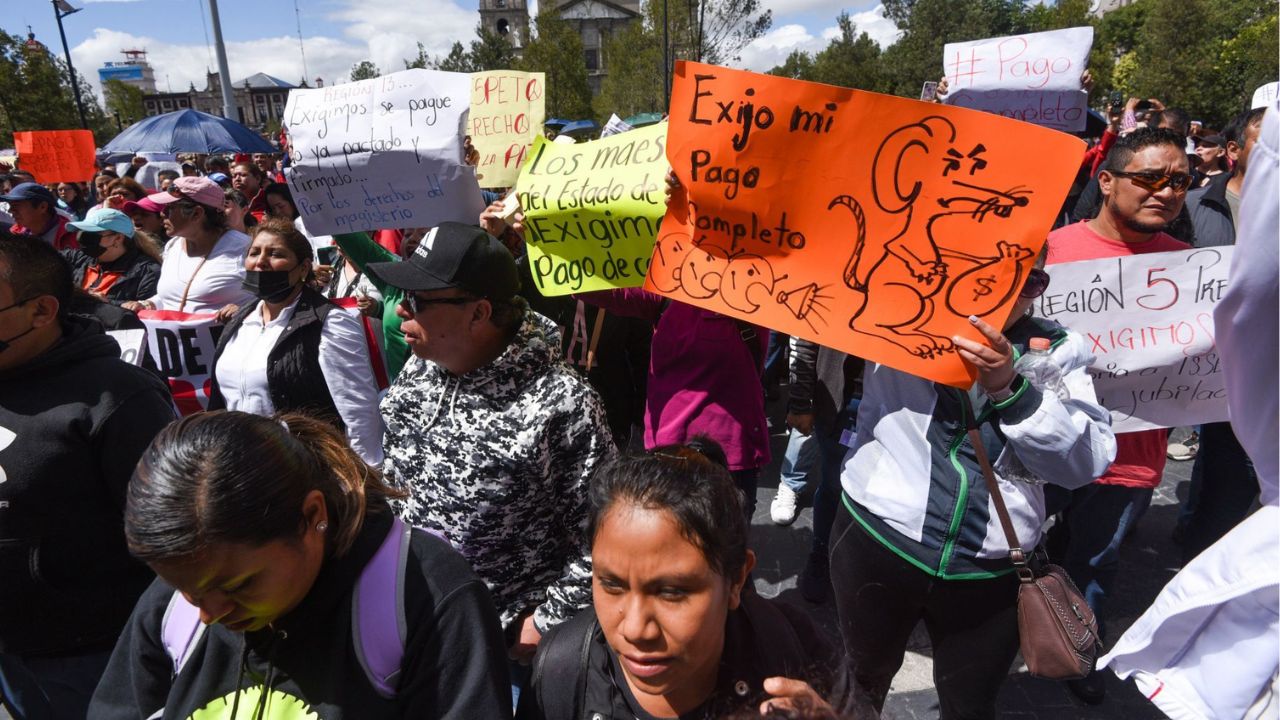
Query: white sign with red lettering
x=1148, y=320
x=1033, y=77
x=181, y=345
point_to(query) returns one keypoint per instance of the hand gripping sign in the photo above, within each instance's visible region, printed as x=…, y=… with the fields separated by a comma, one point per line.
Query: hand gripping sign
x=868, y=223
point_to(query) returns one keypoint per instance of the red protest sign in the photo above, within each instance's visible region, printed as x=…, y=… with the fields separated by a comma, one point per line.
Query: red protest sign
x=55, y=156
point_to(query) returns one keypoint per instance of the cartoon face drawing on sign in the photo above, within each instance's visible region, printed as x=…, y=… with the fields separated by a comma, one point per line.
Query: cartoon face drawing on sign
x=701, y=270
x=747, y=282
x=905, y=261
x=668, y=254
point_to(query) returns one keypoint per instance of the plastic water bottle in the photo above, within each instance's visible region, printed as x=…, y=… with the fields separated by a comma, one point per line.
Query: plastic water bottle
x=1045, y=375
x=1041, y=371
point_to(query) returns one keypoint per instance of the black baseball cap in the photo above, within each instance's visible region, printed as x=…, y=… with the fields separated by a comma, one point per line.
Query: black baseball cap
x=454, y=255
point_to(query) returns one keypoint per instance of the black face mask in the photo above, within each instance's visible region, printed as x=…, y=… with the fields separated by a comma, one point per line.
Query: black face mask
x=4, y=344
x=91, y=244
x=273, y=286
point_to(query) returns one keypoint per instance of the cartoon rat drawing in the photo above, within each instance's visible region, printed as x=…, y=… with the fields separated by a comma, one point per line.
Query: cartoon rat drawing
x=902, y=263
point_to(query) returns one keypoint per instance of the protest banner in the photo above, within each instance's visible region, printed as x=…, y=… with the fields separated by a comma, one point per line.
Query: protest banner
x=1034, y=77
x=1264, y=96
x=872, y=224
x=56, y=156
x=592, y=210
x=181, y=345
x=508, y=109
x=382, y=153
x=1148, y=321
x=132, y=344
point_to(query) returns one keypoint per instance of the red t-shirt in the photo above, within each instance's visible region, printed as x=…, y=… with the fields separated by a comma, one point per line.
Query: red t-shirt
x=1140, y=456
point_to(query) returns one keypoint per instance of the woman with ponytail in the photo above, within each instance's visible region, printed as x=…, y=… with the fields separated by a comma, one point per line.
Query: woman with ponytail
x=270, y=531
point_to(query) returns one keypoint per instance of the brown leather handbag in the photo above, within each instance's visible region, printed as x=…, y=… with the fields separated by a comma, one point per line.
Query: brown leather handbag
x=1057, y=629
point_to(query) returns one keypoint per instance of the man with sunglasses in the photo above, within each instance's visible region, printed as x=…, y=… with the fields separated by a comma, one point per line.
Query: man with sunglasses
x=74, y=419
x=1144, y=184
x=491, y=432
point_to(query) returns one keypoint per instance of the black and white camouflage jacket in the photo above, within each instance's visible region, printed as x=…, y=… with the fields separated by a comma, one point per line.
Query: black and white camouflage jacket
x=499, y=460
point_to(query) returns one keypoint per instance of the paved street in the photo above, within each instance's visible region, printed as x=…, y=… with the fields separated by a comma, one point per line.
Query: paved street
x=1149, y=559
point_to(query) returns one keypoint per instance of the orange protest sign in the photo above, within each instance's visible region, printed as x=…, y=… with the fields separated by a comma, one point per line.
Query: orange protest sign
x=868, y=223
x=55, y=156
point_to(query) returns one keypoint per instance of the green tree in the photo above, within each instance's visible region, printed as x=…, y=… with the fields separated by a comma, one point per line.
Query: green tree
x=634, y=83
x=489, y=51
x=124, y=100
x=851, y=59
x=1206, y=57
x=366, y=70
x=556, y=50
x=35, y=94
x=928, y=25
x=797, y=66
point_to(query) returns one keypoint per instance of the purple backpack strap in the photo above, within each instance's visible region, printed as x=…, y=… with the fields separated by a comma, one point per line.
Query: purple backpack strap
x=377, y=611
x=180, y=630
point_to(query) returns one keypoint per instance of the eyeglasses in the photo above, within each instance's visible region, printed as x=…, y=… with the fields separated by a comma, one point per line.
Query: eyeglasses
x=1155, y=182
x=417, y=304
x=1037, y=282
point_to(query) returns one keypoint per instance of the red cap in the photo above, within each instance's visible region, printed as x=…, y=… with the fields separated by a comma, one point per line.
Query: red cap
x=1040, y=344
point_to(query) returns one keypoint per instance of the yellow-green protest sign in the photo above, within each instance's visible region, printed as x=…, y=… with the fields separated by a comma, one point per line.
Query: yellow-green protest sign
x=592, y=211
x=508, y=109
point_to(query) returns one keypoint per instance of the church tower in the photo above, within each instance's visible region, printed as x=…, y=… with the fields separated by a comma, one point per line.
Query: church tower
x=508, y=18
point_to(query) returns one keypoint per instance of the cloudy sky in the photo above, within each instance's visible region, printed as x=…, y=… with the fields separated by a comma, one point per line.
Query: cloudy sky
x=262, y=35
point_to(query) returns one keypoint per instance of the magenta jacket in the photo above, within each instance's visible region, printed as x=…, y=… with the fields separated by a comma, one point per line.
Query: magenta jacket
x=702, y=378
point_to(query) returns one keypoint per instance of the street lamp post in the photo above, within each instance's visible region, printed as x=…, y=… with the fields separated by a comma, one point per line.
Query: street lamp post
x=61, y=9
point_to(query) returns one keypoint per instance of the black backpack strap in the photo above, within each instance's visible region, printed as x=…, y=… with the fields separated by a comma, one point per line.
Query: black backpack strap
x=561, y=662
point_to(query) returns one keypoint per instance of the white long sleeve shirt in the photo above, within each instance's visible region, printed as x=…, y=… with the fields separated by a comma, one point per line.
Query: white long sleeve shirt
x=215, y=281
x=241, y=373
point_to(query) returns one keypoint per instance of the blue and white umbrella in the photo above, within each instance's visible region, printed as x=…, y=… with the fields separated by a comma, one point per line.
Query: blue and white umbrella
x=189, y=131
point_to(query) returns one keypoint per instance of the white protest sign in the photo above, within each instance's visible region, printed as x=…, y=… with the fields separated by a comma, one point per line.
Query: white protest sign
x=614, y=126
x=131, y=344
x=382, y=153
x=1034, y=77
x=1265, y=96
x=182, y=345
x=1148, y=321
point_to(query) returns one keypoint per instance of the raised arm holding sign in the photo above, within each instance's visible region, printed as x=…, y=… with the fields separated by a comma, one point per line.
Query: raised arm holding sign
x=868, y=223
x=382, y=153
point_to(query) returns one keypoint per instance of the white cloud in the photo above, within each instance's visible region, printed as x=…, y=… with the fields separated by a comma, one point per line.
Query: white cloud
x=178, y=66
x=392, y=29
x=772, y=48
x=384, y=31
x=874, y=23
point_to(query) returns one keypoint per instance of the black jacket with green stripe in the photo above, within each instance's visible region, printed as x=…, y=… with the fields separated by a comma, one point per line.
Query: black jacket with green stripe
x=913, y=481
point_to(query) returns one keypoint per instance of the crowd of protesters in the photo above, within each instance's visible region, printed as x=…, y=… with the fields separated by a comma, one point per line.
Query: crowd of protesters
x=488, y=536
